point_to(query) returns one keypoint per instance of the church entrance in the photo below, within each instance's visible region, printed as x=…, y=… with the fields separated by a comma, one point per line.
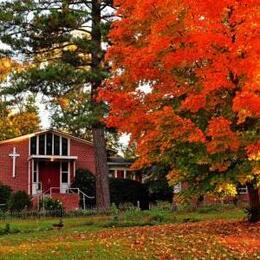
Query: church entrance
x=49, y=176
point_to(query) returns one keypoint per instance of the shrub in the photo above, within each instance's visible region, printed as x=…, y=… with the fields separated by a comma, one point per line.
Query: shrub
x=128, y=191
x=8, y=230
x=126, y=206
x=158, y=217
x=253, y=214
x=121, y=190
x=85, y=181
x=19, y=201
x=5, y=193
x=159, y=190
x=114, y=212
x=162, y=205
x=135, y=215
x=50, y=204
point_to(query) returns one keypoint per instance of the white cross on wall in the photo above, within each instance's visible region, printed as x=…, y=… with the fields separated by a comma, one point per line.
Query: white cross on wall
x=14, y=155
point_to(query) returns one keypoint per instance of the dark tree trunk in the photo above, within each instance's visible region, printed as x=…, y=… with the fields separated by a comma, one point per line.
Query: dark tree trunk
x=102, y=182
x=254, y=203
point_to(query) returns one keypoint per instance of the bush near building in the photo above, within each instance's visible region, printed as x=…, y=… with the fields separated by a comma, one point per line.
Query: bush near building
x=5, y=193
x=19, y=201
x=121, y=190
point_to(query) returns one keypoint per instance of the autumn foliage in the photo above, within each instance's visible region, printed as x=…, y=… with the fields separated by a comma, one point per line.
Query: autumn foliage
x=186, y=74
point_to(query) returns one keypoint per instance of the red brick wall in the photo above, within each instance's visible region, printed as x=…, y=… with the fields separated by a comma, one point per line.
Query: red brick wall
x=85, y=153
x=70, y=202
x=20, y=182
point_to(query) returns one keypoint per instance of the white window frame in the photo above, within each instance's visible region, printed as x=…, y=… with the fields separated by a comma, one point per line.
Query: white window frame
x=45, y=144
x=36, y=186
x=35, y=163
x=64, y=185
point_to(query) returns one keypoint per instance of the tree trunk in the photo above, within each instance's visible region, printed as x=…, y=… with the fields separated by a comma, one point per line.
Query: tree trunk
x=102, y=182
x=254, y=203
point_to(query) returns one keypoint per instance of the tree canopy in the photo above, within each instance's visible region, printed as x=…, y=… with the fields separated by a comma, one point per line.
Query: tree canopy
x=186, y=87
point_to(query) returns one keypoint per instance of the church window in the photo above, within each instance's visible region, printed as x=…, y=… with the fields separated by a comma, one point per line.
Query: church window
x=49, y=144
x=33, y=145
x=42, y=144
x=56, y=145
x=64, y=146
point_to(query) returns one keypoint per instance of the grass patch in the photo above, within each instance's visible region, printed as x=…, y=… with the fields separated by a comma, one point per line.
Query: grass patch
x=131, y=235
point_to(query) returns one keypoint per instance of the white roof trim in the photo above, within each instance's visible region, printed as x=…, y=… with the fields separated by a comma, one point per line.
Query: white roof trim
x=53, y=157
x=23, y=137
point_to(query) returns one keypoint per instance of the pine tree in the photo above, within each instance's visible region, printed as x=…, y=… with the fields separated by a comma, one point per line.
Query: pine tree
x=72, y=114
x=63, y=44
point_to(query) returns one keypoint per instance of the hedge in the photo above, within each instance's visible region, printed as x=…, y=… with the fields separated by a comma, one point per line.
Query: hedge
x=121, y=190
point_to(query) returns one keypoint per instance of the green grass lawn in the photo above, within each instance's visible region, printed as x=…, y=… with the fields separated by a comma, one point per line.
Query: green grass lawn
x=157, y=234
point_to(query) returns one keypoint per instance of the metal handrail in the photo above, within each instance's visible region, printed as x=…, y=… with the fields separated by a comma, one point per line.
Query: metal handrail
x=84, y=195
x=80, y=191
x=54, y=188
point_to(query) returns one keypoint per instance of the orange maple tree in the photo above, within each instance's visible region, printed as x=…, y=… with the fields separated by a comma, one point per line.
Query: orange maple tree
x=185, y=84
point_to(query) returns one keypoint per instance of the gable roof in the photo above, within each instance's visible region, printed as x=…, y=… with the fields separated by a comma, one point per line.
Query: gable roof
x=24, y=137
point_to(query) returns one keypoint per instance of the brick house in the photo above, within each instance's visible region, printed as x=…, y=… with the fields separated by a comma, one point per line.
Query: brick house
x=45, y=163
x=241, y=197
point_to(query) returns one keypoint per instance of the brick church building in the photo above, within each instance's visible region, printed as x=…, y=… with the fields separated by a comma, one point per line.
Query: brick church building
x=45, y=163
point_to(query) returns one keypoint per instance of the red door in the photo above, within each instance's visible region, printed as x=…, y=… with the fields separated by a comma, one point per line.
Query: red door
x=49, y=175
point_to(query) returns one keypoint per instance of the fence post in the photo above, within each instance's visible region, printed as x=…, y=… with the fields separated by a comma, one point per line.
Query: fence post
x=84, y=202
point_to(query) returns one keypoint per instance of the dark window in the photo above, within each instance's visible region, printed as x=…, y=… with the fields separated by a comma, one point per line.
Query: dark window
x=64, y=146
x=56, y=145
x=35, y=172
x=65, y=172
x=111, y=173
x=33, y=145
x=49, y=144
x=42, y=144
x=65, y=167
x=64, y=177
x=34, y=177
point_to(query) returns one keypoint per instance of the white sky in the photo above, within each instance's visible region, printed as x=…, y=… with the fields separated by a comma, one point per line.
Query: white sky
x=44, y=114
